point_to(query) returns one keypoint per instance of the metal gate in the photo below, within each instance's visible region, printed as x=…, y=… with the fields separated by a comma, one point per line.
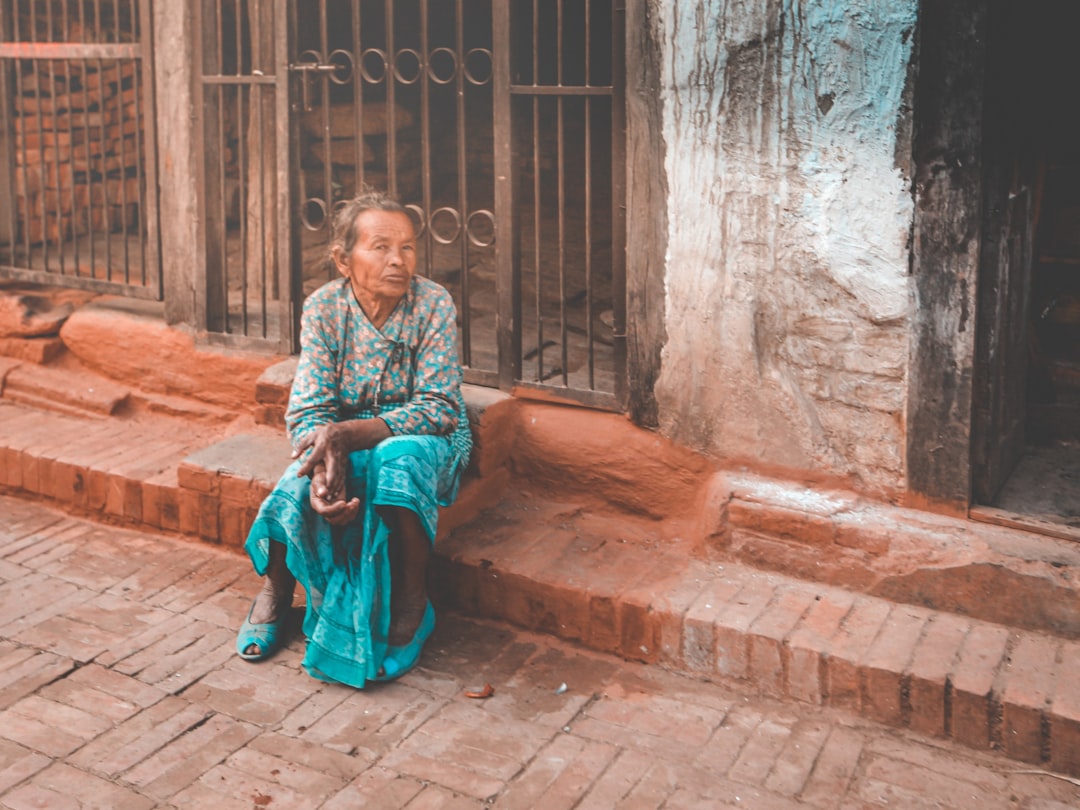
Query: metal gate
x=498, y=124
x=77, y=169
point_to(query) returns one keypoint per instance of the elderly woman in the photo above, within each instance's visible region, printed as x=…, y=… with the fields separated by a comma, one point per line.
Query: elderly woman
x=380, y=436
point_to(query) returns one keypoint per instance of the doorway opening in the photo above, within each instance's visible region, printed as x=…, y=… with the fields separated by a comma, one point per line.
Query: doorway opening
x=1034, y=66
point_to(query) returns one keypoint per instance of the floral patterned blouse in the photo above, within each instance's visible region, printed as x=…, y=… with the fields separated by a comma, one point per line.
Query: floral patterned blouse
x=407, y=373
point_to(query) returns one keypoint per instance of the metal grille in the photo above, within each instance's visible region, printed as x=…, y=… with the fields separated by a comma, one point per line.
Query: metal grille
x=499, y=125
x=76, y=146
x=566, y=114
x=244, y=119
x=414, y=81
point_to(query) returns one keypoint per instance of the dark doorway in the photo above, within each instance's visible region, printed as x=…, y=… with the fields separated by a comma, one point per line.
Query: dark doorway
x=1026, y=443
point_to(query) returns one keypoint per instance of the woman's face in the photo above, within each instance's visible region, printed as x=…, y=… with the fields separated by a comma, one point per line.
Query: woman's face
x=382, y=261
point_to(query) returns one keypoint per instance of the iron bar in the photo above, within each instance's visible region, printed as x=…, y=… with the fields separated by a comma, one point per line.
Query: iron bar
x=536, y=171
x=462, y=181
x=358, y=92
x=68, y=50
x=235, y=81
x=618, y=197
x=558, y=90
x=425, y=137
x=507, y=258
x=7, y=102
x=391, y=100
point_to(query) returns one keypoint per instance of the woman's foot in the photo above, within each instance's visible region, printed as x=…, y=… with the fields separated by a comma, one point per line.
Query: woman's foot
x=404, y=619
x=400, y=658
x=271, y=605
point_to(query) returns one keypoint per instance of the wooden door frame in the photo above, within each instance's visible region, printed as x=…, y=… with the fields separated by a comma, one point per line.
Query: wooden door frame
x=946, y=244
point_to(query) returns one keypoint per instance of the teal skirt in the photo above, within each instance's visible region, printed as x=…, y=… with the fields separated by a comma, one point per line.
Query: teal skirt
x=345, y=570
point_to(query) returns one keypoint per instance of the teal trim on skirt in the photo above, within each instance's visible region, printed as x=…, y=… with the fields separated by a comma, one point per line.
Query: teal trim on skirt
x=345, y=571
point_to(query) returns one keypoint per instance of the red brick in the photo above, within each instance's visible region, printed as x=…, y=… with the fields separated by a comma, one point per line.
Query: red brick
x=761, y=751
x=48, y=727
x=101, y=469
x=559, y=774
x=19, y=428
x=18, y=764
x=515, y=585
x=792, y=768
x=375, y=787
x=930, y=668
x=23, y=670
x=56, y=470
x=887, y=660
x=613, y=569
x=67, y=478
x=184, y=759
x=767, y=634
x=722, y=749
x=972, y=682
x=808, y=645
x=47, y=436
x=199, y=515
x=732, y=643
x=807, y=528
x=124, y=483
x=645, y=607
x=699, y=624
x=848, y=648
x=133, y=741
x=65, y=388
x=55, y=787
x=1028, y=686
x=159, y=492
x=835, y=768
x=198, y=479
x=1065, y=713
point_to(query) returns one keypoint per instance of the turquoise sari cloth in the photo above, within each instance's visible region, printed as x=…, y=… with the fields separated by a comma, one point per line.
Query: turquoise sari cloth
x=346, y=570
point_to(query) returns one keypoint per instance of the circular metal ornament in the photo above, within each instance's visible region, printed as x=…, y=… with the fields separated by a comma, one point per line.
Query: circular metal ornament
x=313, y=205
x=417, y=68
x=438, y=237
x=435, y=59
x=343, y=64
x=377, y=58
x=471, y=66
x=418, y=218
x=470, y=231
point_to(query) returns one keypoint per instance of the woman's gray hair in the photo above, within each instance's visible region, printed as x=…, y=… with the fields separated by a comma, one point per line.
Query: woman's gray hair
x=369, y=199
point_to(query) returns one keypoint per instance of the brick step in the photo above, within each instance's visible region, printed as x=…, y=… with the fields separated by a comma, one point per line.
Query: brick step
x=65, y=391
x=120, y=469
x=618, y=585
x=643, y=587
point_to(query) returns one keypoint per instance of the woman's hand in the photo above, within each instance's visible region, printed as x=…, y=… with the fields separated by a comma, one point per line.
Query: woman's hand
x=330, y=445
x=332, y=506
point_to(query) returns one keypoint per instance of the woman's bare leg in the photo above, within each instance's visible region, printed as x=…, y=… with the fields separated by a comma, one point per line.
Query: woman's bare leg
x=276, y=594
x=410, y=551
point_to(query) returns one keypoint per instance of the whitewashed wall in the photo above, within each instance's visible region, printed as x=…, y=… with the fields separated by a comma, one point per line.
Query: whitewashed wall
x=790, y=207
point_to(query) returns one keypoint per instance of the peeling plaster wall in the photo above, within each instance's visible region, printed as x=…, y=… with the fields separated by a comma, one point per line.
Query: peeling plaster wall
x=787, y=289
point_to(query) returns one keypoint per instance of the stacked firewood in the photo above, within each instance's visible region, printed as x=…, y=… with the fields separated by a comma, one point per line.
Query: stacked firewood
x=78, y=145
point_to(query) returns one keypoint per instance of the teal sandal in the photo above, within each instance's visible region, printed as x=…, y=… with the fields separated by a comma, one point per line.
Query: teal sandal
x=264, y=636
x=400, y=660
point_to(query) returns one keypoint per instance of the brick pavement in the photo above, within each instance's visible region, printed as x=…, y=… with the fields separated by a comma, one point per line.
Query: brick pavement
x=119, y=689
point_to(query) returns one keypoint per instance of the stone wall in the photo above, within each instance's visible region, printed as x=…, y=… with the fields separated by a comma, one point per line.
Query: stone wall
x=788, y=301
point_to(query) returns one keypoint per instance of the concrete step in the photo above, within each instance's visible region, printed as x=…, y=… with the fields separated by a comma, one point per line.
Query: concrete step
x=612, y=579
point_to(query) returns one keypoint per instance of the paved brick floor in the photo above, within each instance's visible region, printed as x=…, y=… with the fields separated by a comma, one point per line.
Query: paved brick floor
x=119, y=689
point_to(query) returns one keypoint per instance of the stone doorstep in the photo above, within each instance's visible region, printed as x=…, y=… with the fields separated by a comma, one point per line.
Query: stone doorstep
x=63, y=390
x=976, y=682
